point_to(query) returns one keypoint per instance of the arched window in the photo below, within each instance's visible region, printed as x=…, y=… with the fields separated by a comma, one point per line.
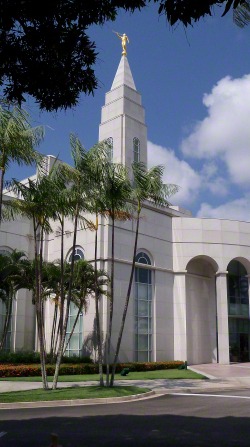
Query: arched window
x=143, y=309
x=136, y=149
x=4, y=251
x=78, y=254
x=110, y=149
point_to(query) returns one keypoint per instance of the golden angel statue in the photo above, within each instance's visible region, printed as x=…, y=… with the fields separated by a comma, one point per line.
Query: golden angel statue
x=124, y=39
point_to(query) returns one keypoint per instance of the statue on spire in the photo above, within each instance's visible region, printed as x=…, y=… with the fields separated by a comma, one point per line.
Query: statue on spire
x=124, y=39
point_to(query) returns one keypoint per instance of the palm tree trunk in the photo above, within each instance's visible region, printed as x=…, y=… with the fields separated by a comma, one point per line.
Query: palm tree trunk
x=111, y=303
x=39, y=312
x=97, y=314
x=61, y=298
x=62, y=278
x=127, y=299
x=2, y=172
x=41, y=286
x=65, y=323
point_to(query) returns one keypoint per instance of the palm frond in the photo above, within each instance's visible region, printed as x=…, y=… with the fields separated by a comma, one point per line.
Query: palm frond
x=241, y=14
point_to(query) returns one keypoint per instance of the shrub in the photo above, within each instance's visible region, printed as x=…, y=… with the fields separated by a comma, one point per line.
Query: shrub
x=30, y=357
x=149, y=366
x=35, y=370
x=76, y=359
x=21, y=357
x=81, y=368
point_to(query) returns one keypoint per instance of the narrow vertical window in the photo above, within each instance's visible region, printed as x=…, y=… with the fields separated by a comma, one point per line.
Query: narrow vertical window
x=3, y=310
x=136, y=148
x=143, y=310
x=110, y=149
x=74, y=347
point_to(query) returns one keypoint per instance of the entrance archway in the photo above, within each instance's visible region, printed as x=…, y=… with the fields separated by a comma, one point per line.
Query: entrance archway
x=238, y=312
x=201, y=310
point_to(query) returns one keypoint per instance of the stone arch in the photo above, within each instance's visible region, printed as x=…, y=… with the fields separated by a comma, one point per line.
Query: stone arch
x=201, y=310
x=202, y=260
x=245, y=262
x=143, y=250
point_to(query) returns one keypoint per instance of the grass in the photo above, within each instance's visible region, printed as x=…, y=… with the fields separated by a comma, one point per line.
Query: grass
x=88, y=392
x=142, y=375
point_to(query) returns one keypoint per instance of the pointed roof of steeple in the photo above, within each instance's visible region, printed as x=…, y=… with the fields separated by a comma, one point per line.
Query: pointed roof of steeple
x=123, y=75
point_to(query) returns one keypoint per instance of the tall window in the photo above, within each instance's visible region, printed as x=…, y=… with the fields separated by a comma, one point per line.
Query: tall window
x=238, y=303
x=5, y=252
x=136, y=149
x=143, y=310
x=2, y=320
x=110, y=149
x=75, y=345
x=238, y=312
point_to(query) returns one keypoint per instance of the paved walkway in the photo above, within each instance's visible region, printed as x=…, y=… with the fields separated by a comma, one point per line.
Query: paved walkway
x=219, y=378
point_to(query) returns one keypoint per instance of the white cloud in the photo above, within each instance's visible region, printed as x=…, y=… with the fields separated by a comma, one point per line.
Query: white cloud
x=212, y=181
x=238, y=209
x=176, y=171
x=225, y=132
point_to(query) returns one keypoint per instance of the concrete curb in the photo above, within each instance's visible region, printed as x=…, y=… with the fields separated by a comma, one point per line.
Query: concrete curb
x=160, y=391
x=76, y=402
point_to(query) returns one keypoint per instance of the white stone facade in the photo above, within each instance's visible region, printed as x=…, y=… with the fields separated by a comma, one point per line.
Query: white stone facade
x=190, y=297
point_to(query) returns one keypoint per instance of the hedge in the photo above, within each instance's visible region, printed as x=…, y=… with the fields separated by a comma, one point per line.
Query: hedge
x=84, y=368
x=30, y=357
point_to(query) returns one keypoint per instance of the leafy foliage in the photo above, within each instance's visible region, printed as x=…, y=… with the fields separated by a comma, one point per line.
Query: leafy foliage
x=46, y=52
x=242, y=14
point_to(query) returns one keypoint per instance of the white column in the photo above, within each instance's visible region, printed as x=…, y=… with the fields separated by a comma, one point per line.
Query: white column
x=180, y=316
x=222, y=318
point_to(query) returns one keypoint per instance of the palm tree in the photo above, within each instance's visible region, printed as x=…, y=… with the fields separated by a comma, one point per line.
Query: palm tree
x=97, y=157
x=17, y=142
x=78, y=180
x=63, y=204
x=11, y=268
x=110, y=188
x=147, y=186
x=117, y=190
x=37, y=205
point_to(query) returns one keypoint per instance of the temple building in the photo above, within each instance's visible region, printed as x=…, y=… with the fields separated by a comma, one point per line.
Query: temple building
x=190, y=297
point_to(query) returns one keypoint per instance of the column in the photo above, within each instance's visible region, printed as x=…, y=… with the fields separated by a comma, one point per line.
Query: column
x=222, y=318
x=180, y=318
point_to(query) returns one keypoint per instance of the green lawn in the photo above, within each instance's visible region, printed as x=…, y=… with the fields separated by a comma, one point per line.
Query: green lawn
x=148, y=375
x=88, y=392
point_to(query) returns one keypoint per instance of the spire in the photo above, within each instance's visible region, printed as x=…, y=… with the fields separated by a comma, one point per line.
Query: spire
x=123, y=119
x=123, y=75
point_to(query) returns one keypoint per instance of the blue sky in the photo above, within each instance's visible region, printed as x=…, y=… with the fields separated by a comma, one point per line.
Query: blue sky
x=195, y=87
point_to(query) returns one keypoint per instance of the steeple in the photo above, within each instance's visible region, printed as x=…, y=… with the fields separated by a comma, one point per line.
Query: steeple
x=123, y=75
x=123, y=118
